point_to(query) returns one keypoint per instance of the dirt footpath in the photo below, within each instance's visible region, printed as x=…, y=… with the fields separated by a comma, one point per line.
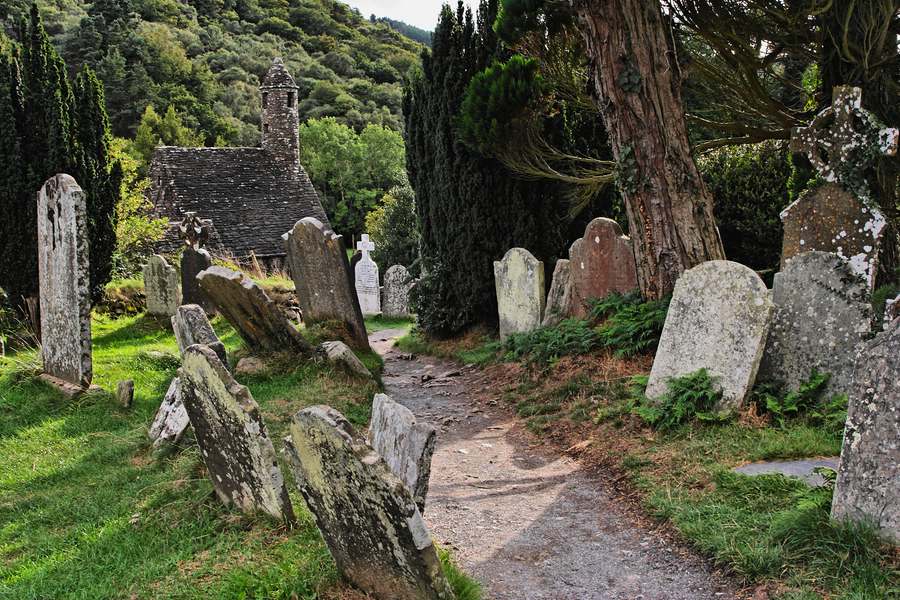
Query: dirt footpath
x=527, y=522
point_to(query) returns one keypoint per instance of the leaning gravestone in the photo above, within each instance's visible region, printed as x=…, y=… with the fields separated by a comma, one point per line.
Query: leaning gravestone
x=367, y=516
x=559, y=299
x=257, y=319
x=821, y=317
x=868, y=482
x=194, y=259
x=232, y=437
x=317, y=261
x=64, y=275
x=405, y=444
x=397, y=285
x=171, y=420
x=366, y=279
x=192, y=327
x=161, y=287
x=519, y=281
x=602, y=264
x=718, y=320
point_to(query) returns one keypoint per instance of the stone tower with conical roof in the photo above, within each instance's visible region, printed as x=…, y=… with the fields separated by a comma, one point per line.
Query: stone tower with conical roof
x=280, y=120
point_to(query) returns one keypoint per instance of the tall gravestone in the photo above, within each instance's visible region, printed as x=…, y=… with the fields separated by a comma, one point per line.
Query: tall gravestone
x=602, y=264
x=559, y=299
x=397, y=285
x=194, y=259
x=519, y=282
x=367, y=516
x=366, y=279
x=841, y=216
x=718, y=320
x=64, y=279
x=161, y=287
x=868, y=482
x=317, y=261
x=191, y=326
x=821, y=317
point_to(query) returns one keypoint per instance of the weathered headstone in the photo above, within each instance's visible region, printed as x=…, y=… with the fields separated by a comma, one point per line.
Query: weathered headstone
x=125, y=393
x=171, y=419
x=232, y=437
x=194, y=259
x=192, y=327
x=821, y=316
x=868, y=482
x=397, y=285
x=519, y=281
x=404, y=443
x=256, y=318
x=64, y=275
x=366, y=279
x=366, y=514
x=340, y=353
x=559, y=299
x=317, y=261
x=161, y=287
x=891, y=309
x=718, y=320
x=602, y=264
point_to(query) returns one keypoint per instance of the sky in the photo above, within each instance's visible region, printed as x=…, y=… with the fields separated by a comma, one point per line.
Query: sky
x=421, y=13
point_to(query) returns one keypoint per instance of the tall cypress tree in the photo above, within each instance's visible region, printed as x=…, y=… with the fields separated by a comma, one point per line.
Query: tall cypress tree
x=14, y=275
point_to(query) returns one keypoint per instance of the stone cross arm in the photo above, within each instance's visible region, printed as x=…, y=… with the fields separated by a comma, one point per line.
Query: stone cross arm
x=365, y=244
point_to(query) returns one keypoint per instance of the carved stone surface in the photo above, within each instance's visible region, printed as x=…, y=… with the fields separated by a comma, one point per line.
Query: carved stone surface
x=64, y=277
x=125, y=392
x=602, y=264
x=193, y=262
x=519, y=281
x=366, y=279
x=256, y=318
x=404, y=443
x=340, y=353
x=317, y=261
x=194, y=230
x=161, y=287
x=232, y=437
x=395, y=297
x=559, y=299
x=821, y=317
x=192, y=327
x=868, y=483
x=891, y=309
x=718, y=320
x=171, y=419
x=367, y=516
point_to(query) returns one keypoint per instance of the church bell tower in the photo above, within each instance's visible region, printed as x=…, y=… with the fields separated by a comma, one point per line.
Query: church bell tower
x=280, y=120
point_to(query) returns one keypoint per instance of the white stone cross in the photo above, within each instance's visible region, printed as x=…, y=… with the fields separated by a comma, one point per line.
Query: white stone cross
x=365, y=245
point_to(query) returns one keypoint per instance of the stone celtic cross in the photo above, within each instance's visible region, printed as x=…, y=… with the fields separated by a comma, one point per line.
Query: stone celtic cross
x=193, y=230
x=844, y=139
x=365, y=245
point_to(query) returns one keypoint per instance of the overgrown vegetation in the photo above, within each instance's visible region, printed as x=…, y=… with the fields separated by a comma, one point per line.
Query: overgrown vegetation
x=629, y=325
x=692, y=397
x=808, y=403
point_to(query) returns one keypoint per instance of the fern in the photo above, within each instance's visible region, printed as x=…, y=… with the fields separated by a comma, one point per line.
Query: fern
x=549, y=344
x=693, y=397
x=808, y=403
x=629, y=325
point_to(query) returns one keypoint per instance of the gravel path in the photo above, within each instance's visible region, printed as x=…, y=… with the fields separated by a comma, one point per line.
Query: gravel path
x=527, y=522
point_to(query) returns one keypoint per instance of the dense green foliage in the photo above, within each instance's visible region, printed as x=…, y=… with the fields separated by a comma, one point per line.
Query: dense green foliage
x=548, y=344
x=394, y=228
x=414, y=33
x=808, y=404
x=692, y=397
x=629, y=325
x=49, y=126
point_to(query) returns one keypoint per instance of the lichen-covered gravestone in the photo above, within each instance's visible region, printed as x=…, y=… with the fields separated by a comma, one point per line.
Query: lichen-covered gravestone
x=559, y=299
x=64, y=279
x=718, y=320
x=232, y=437
x=366, y=279
x=339, y=353
x=821, y=316
x=257, y=319
x=868, y=482
x=161, y=287
x=397, y=285
x=602, y=264
x=519, y=281
x=317, y=261
x=405, y=444
x=192, y=327
x=367, y=516
x=171, y=419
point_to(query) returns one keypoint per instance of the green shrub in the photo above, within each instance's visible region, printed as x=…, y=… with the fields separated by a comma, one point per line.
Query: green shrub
x=394, y=228
x=689, y=398
x=548, y=344
x=630, y=325
x=808, y=403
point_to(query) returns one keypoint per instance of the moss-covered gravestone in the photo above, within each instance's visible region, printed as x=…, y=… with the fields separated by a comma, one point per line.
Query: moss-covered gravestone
x=161, y=287
x=519, y=282
x=395, y=295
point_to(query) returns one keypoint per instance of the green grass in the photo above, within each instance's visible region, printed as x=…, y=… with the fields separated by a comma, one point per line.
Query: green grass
x=380, y=323
x=479, y=352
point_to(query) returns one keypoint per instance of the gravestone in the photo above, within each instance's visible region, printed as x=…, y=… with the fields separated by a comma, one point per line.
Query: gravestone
x=602, y=264
x=192, y=327
x=232, y=437
x=397, y=285
x=868, y=482
x=366, y=515
x=161, y=287
x=405, y=444
x=171, y=420
x=338, y=352
x=64, y=276
x=821, y=316
x=317, y=261
x=257, y=319
x=194, y=259
x=366, y=279
x=718, y=320
x=559, y=299
x=519, y=281
x=891, y=309
x=840, y=216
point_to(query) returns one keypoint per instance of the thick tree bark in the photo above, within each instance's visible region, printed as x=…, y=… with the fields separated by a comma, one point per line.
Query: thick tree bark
x=670, y=211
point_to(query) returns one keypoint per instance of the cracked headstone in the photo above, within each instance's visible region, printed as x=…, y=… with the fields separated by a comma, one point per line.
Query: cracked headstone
x=232, y=437
x=559, y=299
x=161, y=287
x=171, y=419
x=340, y=353
x=397, y=285
x=366, y=279
x=519, y=283
x=718, y=320
x=821, y=317
x=366, y=514
x=405, y=443
x=64, y=277
x=602, y=264
x=191, y=326
x=868, y=483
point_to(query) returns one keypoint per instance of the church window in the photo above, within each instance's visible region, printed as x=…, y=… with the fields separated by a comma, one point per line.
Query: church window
x=265, y=128
x=290, y=101
x=265, y=99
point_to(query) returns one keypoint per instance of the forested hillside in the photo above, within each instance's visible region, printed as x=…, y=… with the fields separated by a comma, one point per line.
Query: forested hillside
x=205, y=58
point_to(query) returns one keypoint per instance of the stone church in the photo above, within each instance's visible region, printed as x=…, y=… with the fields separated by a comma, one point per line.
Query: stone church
x=252, y=195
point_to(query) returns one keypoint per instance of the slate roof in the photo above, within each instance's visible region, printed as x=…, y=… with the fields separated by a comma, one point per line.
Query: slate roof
x=250, y=198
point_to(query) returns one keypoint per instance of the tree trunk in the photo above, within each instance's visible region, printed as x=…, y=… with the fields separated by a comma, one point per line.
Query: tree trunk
x=637, y=85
